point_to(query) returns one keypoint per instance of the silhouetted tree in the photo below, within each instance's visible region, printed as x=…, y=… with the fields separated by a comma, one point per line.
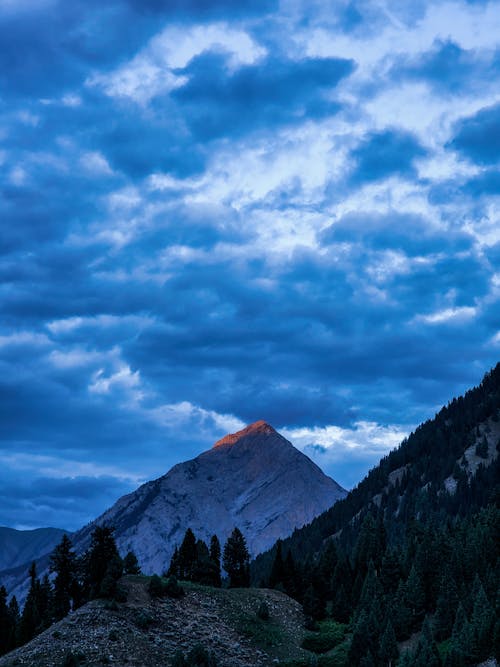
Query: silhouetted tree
x=102, y=561
x=215, y=554
x=187, y=556
x=7, y=623
x=63, y=563
x=236, y=560
x=131, y=564
x=31, y=619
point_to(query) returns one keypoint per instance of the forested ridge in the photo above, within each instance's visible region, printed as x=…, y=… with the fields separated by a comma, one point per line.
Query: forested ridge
x=412, y=553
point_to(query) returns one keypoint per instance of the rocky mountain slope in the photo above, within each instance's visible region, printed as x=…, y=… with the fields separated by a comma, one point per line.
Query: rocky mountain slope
x=148, y=632
x=254, y=479
x=18, y=547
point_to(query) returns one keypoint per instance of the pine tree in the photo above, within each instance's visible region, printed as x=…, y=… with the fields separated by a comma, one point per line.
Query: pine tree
x=278, y=569
x=461, y=637
x=447, y=604
x=63, y=563
x=360, y=644
x=290, y=576
x=173, y=568
x=109, y=585
x=236, y=560
x=131, y=564
x=187, y=556
x=388, y=646
x=313, y=604
x=45, y=603
x=102, y=559
x=415, y=598
x=6, y=623
x=30, y=618
x=203, y=568
x=482, y=624
x=215, y=553
x=16, y=621
x=390, y=572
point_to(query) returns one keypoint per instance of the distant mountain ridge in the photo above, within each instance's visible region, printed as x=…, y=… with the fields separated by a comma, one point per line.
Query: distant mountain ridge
x=18, y=547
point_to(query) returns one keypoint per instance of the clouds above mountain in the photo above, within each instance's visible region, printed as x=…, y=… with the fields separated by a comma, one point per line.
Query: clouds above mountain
x=217, y=212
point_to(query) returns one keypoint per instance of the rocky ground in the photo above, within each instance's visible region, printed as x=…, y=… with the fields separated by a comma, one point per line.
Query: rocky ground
x=143, y=632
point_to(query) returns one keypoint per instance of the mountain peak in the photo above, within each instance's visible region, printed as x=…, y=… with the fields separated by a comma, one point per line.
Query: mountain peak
x=258, y=428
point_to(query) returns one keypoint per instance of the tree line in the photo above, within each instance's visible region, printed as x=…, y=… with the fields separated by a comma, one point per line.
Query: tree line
x=75, y=580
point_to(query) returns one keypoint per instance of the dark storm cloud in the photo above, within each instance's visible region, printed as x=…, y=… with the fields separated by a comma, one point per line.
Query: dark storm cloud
x=387, y=153
x=478, y=137
x=261, y=96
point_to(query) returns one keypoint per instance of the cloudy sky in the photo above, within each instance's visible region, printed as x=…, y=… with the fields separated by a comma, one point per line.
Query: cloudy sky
x=214, y=212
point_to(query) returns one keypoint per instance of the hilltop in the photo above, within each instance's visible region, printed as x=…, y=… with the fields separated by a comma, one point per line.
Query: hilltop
x=147, y=632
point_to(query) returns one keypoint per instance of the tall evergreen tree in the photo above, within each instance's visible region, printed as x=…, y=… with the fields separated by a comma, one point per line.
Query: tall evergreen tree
x=215, y=554
x=187, y=556
x=16, y=621
x=313, y=605
x=482, y=624
x=6, y=623
x=173, y=568
x=447, y=603
x=236, y=560
x=278, y=569
x=101, y=560
x=388, y=647
x=31, y=618
x=63, y=563
x=461, y=637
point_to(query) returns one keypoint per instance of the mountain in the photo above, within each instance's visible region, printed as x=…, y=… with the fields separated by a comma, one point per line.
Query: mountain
x=254, y=479
x=18, y=547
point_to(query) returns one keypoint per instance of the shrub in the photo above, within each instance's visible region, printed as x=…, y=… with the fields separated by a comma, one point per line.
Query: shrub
x=155, y=587
x=172, y=589
x=159, y=589
x=143, y=620
x=331, y=634
x=198, y=656
x=311, y=624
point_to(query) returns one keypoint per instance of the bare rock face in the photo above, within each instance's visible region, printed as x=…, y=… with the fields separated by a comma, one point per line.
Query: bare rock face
x=254, y=479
